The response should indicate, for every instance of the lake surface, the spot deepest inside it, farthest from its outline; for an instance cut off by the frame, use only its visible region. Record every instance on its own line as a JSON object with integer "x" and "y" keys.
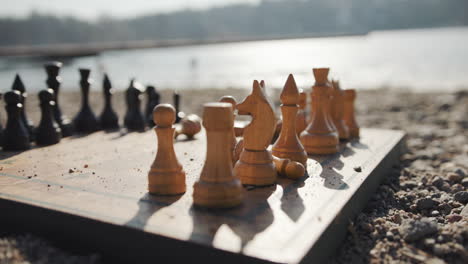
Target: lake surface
{"x": 425, "y": 59}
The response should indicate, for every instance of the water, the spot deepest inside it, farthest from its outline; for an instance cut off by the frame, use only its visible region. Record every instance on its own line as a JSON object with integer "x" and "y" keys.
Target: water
{"x": 426, "y": 59}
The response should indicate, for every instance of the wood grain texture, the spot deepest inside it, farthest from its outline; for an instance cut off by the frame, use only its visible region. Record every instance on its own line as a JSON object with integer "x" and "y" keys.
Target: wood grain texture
{"x": 92, "y": 192}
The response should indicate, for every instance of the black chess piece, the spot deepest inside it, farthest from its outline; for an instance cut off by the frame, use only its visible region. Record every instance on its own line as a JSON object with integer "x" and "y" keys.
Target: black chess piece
{"x": 19, "y": 86}
{"x": 48, "y": 132}
{"x": 15, "y": 135}
{"x": 153, "y": 98}
{"x": 1, "y": 126}
{"x": 179, "y": 114}
{"x": 108, "y": 119}
{"x": 134, "y": 119}
{"x": 53, "y": 82}
{"x": 85, "y": 121}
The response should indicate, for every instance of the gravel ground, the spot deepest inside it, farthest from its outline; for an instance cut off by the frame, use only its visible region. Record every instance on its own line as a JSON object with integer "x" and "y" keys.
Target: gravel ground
{"x": 418, "y": 215}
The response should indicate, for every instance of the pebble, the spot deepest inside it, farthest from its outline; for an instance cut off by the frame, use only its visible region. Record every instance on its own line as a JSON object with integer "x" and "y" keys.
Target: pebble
{"x": 413, "y": 230}
{"x": 435, "y": 213}
{"x": 461, "y": 197}
{"x": 464, "y": 182}
{"x": 409, "y": 185}
{"x": 453, "y": 218}
{"x": 454, "y": 177}
{"x": 426, "y": 203}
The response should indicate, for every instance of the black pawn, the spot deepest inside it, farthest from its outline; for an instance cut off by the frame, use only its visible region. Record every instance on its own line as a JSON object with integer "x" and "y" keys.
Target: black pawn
{"x": 85, "y": 121}
{"x": 53, "y": 82}
{"x": 179, "y": 114}
{"x": 108, "y": 119}
{"x": 134, "y": 120}
{"x": 19, "y": 86}
{"x": 48, "y": 132}
{"x": 153, "y": 98}
{"x": 15, "y": 135}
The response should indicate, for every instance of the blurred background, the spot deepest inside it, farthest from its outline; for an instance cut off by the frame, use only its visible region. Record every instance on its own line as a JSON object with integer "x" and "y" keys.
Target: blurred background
{"x": 181, "y": 44}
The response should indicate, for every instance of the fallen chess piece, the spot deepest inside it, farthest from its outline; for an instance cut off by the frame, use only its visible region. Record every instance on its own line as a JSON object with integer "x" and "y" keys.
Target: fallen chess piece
{"x": 284, "y": 167}
{"x": 189, "y": 126}
{"x": 290, "y": 169}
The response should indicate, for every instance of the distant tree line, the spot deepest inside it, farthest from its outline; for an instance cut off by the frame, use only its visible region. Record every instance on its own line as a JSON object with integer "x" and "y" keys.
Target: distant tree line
{"x": 268, "y": 18}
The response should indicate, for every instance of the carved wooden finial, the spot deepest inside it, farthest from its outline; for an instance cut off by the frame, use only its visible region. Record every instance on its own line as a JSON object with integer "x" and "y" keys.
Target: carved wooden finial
{"x": 321, "y": 75}
{"x": 290, "y": 93}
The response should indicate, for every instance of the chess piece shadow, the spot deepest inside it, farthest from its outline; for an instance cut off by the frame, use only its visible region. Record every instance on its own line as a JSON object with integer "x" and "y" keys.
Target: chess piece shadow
{"x": 333, "y": 179}
{"x": 357, "y": 144}
{"x": 291, "y": 202}
{"x": 148, "y": 205}
{"x": 259, "y": 218}
{"x": 347, "y": 151}
{"x": 246, "y": 221}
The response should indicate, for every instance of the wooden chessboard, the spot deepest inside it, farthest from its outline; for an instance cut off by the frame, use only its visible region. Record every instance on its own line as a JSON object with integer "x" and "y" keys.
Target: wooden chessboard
{"x": 89, "y": 193}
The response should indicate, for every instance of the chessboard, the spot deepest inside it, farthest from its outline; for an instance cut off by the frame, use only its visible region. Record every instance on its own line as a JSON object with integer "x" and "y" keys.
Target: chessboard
{"x": 89, "y": 193}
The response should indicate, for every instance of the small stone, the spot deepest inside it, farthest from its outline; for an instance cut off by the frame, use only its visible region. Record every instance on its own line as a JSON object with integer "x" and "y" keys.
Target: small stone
{"x": 453, "y": 218}
{"x": 461, "y": 172}
{"x": 461, "y": 197}
{"x": 367, "y": 227}
{"x": 85, "y": 166}
{"x": 409, "y": 184}
{"x": 358, "y": 169}
{"x": 413, "y": 230}
{"x": 429, "y": 242}
{"x": 457, "y": 188}
{"x": 454, "y": 177}
{"x": 437, "y": 182}
{"x": 464, "y": 182}
{"x": 464, "y": 212}
{"x": 435, "y": 213}
{"x": 426, "y": 203}
{"x": 444, "y": 208}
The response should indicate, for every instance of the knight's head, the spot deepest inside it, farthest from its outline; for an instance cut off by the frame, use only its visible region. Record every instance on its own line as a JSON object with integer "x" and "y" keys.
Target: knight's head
{"x": 248, "y": 106}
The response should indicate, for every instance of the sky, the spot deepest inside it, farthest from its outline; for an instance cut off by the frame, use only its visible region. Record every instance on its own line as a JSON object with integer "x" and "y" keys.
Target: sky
{"x": 93, "y": 9}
